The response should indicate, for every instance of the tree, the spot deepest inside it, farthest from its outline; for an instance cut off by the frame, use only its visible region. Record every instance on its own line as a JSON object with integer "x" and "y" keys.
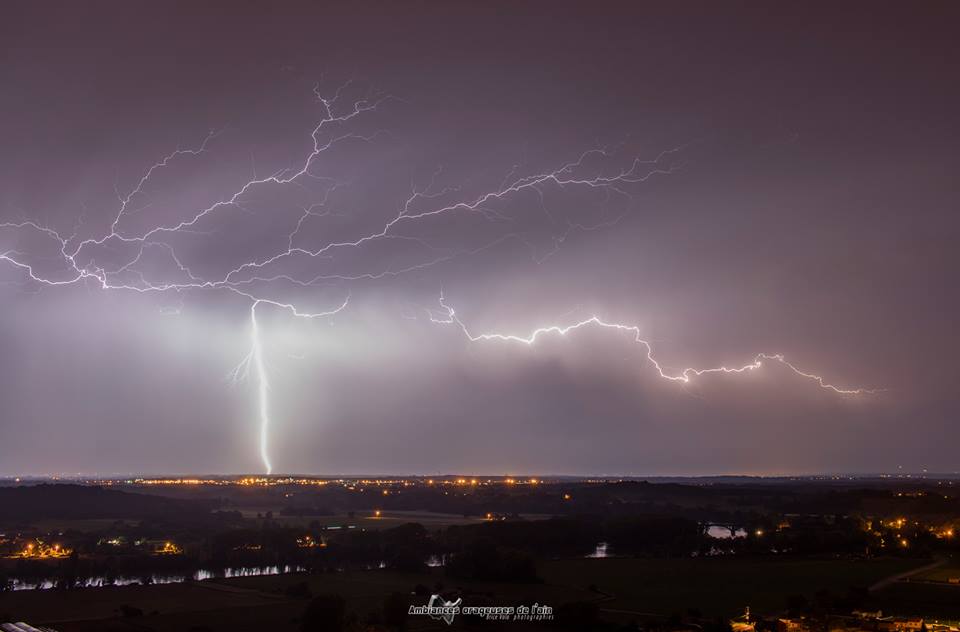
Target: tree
{"x": 482, "y": 559}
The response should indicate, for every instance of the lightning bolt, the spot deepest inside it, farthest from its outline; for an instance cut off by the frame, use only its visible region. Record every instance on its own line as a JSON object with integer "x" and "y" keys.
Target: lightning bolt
{"x": 254, "y": 277}
{"x": 253, "y": 363}
{"x": 684, "y": 375}
{"x": 263, "y": 386}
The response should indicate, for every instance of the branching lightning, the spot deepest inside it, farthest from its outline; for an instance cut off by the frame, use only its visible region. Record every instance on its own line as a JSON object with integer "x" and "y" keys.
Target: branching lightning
{"x": 249, "y": 279}
{"x": 684, "y": 375}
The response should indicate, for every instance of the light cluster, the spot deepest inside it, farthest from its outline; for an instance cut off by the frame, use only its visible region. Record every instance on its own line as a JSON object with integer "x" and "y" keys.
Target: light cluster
{"x": 40, "y": 550}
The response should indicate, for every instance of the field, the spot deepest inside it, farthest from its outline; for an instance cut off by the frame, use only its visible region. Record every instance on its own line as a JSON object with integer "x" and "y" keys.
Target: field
{"x": 87, "y": 525}
{"x": 626, "y": 589}
{"x": 943, "y": 573}
{"x": 932, "y": 600}
{"x": 105, "y": 603}
{"x": 718, "y": 586}
{"x": 367, "y": 520}
{"x": 927, "y": 593}
{"x": 242, "y": 604}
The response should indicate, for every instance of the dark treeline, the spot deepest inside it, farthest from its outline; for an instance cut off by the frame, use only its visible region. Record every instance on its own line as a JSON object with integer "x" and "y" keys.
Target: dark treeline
{"x": 736, "y": 503}
{"x": 24, "y": 504}
{"x": 718, "y": 502}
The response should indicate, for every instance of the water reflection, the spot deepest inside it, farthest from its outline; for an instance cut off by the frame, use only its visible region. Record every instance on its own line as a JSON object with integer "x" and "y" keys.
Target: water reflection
{"x": 721, "y": 532}
{"x": 601, "y": 550}
{"x": 200, "y": 575}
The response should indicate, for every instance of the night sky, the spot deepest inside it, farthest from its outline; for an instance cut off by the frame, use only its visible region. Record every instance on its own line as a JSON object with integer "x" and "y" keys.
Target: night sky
{"x": 729, "y": 178}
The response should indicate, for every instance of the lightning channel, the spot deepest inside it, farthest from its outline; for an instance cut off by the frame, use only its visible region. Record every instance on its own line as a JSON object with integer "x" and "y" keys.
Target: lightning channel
{"x": 685, "y": 376}
{"x": 263, "y": 386}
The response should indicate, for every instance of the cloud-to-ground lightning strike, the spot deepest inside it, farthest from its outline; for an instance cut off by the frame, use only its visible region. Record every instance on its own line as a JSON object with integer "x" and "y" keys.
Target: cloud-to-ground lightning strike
{"x": 422, "y": 205}
{"x": 263, "y": 386}
{"x": 254, "y": 363}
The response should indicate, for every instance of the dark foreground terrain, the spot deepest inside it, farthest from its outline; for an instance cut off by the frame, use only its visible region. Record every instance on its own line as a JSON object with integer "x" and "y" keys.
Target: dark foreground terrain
{"x": 306, "y": 554}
